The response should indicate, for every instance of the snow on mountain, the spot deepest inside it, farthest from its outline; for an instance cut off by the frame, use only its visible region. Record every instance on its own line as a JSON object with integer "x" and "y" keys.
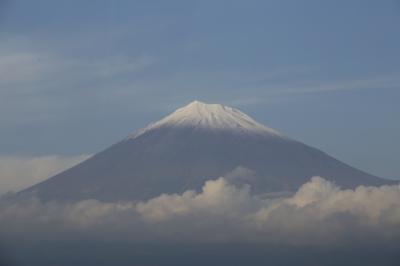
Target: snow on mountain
{"x": 214, "y": 117}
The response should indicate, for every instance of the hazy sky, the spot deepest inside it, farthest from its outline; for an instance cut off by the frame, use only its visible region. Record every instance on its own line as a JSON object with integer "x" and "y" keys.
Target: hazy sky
{"x": 77, "y": 76}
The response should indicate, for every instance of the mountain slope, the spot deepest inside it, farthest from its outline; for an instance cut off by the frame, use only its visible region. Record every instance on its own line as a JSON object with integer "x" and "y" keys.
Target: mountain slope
{"x": 196, "y": 143}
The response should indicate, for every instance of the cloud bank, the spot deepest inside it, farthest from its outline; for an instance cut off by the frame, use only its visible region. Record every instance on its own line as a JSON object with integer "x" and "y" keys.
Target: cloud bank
{"x": 17, "y": 173}
{"x": 319, "y": 213}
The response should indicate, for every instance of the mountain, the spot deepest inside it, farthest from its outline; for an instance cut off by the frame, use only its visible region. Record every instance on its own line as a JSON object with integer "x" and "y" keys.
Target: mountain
{"x": 193, "y": 144}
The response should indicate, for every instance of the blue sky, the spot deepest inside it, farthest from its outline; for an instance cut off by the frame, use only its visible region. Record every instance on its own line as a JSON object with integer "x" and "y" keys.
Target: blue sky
{"x": 77, "y": 76}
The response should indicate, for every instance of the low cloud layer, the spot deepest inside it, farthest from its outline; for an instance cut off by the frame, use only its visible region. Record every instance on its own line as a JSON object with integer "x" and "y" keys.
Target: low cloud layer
{"x": 319, "y": 213}
{"x": 17, "y": 173}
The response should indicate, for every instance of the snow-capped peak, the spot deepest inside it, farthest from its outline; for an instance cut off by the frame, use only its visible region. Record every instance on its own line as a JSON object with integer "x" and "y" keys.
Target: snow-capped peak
{"x": 210, "y": 116}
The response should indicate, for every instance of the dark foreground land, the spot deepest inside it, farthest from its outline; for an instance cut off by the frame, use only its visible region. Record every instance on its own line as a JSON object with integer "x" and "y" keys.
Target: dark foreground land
{"x": 124, "y": 254}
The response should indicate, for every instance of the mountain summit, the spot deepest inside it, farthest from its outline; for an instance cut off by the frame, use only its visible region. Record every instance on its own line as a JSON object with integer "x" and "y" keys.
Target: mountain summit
{"x": 196, "y": 143}
{"x": 214, "y": 117}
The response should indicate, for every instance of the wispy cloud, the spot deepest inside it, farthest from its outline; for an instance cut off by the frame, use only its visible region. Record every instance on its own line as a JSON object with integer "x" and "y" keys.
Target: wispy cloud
{"x": 21, "y": 67}
{"x": 269, "y": 89}
{"x": 42, "y": 86}
{"x": 378, "y": 82}
{"x": 18, "y": 172}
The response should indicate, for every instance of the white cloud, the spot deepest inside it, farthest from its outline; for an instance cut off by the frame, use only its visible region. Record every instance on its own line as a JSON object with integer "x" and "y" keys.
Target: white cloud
{"x": 318, "y": 213}
{"x": 218, "y": 197}
{"x": 17, "y": 172}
